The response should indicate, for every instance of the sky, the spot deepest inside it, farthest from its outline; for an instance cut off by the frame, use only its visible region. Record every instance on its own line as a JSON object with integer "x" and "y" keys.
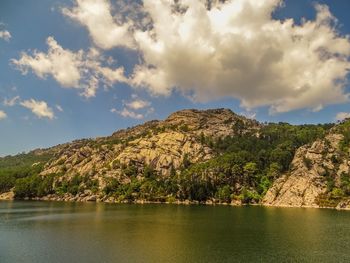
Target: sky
{"x": 73, "y": 69}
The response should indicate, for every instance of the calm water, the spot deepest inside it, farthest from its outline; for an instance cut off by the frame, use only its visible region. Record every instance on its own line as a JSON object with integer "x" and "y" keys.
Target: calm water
{"x": 69, "y": 232}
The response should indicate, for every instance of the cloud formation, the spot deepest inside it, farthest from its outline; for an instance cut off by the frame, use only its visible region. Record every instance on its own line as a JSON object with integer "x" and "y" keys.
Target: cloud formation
{"x": 6, "y": 35}
{"x": 39, "y": 108}
{"x": 62, "y": 64}
{"x": 80, "y": 70}
{"x": 126, "y": 113}
{"x": 342, "y": 116}
{"x": 3, "y": 115}
{"x": 137, "y": 103}
{"x": 104, "y": 29}
{"x": 215, "y": 49}
{"x": 133, "y": 107}
{"x": 207, "y": 50}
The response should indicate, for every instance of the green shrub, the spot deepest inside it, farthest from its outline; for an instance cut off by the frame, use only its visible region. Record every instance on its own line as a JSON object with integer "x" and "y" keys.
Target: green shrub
{"x": 337, "y": 193}
{"x": 224, "y": 194}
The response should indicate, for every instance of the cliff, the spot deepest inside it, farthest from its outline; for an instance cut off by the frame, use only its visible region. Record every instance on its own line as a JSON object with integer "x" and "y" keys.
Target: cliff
{"x": 319, "y": 176}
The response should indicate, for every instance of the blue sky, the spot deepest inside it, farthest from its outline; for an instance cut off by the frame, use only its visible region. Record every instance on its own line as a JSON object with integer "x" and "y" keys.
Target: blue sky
{"x": 39, "y": 109}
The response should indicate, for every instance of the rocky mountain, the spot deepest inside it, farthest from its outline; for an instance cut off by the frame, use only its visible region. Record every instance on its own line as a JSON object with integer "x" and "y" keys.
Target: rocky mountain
{"x": 159, "y": 144}
{"x": 162, "y": 146}
{"x": 207, "y": 156}
{"x": 318, "y": 177}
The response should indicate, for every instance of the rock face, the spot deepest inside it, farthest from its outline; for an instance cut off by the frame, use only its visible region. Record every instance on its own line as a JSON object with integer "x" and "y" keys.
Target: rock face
{"x": 165, "y": 150}
{"x": 214, "y": 123}
{"x": 307, "y": 180}
{"x": 161, "y": 145}
{"x": 7, "y": 196}
{"x": 344, "y": 205}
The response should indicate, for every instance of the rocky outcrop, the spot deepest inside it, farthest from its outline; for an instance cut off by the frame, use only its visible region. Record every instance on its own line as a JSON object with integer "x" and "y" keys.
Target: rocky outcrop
{"x": 161, "y": 145}
{"x": 165, "y": 150}
{"x": 7, "y": 196}
{"x": 344, "y": 204}
{"x": 307, "y": 180}
{"x": 214, "y": 123}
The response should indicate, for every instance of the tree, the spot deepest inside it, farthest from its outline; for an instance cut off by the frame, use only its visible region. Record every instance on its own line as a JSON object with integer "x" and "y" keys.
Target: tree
{"x": 224, "y": 194}
{"x": 250, "y": 170}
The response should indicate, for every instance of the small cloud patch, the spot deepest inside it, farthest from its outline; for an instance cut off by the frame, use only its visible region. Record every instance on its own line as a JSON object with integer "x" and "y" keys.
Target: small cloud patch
{"x": 39, "y": 108}
{"x": 3, "y": 115}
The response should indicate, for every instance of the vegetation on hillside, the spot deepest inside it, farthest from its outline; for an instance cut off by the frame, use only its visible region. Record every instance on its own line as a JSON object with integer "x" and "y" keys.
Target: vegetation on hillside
{"x": 338, "y": 188}
{"x": 244, "y": 169}
{"x": 25, "y": 165}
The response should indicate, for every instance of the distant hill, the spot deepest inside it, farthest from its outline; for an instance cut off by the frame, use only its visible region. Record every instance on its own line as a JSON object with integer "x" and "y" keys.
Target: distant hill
{"x": 194, "y": 156}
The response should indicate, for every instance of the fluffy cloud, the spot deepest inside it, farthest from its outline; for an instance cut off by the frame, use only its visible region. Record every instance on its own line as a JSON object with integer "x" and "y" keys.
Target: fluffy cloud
{"x": 215, "y": 49}
{"x": 62, "y": 64}
{"x": 39, "y": 108}
{"x": 102, "y": 26}
{"x": 137, "y": 103}
{"x": 342, "y": 116}
{"x": 3, "y": 115}
{"x": 206, "y": 50}
{"x": 126, "y": 113}
{"x": 236, "y": 49}
{"x": 80, "y": 70}
{"x": 133, "y": 107}
{"x": 4, "y": 34}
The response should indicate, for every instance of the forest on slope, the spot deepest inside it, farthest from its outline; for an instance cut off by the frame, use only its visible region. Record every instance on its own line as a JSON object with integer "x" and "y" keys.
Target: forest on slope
{"x": 242, "y": 168}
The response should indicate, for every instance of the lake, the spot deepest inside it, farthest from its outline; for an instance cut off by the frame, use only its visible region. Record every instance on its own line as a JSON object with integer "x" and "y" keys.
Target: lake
{"x": 90, "y": 232}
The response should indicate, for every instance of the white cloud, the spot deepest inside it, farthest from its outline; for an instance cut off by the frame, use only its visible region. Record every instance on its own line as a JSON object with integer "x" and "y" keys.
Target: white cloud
{"x": 133, "y": 107}
{"x": 39, "y": 108}
{"x": 111, "y": 76}
{"x": 137, "y": 104}
{"x": 80, "y": 70}
{"x": 206, "y": 50}
{"x": 236, "y": 49}
{"x": 104, "y": 29}
{"x": 126, "y": 113}
{"x": 342, "y": 116}
{"x": 11, "y": 102}
{"x": 3, "y": 115}
{"x": 230, "y": 49}
{"x": 6, "y": 35}
{"x": 59, "y": 108}
{"x": 62, "y": 64}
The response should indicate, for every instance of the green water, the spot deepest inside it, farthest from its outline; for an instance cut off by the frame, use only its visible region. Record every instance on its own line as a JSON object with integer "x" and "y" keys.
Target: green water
{"x": 73, "y": 232}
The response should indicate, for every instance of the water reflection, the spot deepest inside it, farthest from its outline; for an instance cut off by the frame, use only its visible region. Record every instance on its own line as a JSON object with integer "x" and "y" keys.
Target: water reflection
{"x": 76, "y": 232}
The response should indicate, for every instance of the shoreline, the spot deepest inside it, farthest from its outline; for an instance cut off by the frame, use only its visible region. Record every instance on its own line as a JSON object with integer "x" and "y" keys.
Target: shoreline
{"x": 5, "y": 197}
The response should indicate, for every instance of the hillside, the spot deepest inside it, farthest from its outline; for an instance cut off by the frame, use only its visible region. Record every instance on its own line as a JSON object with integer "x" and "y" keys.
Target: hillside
{"x": 211, "y": 156}
{"x": 319, "y": 174}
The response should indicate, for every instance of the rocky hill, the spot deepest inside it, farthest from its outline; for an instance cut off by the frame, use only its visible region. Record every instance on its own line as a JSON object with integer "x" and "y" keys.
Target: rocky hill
{"x": 319, "y": 176}
{"x": 209, "y": 156}
{"x": 161, "y": 145}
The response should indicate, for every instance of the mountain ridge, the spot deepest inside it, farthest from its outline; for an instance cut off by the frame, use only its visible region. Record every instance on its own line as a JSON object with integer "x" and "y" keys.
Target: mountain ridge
{"x": 207, "y": 156}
